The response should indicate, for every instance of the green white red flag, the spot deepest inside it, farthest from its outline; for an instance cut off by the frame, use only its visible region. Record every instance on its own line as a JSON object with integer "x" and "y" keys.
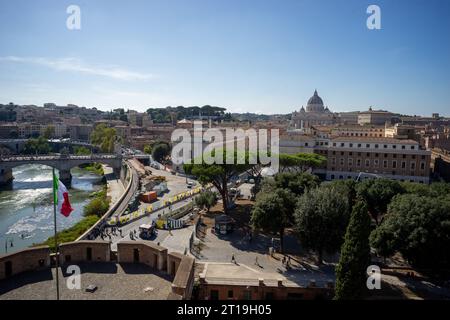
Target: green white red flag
{"x": 61, "y": 197}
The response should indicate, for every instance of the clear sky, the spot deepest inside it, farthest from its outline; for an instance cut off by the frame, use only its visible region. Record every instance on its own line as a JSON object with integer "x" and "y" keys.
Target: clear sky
{"x": 262, "y": 56}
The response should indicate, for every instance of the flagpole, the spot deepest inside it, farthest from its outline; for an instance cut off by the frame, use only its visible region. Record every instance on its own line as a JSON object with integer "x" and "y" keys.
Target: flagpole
{"x": 56, "y": 234}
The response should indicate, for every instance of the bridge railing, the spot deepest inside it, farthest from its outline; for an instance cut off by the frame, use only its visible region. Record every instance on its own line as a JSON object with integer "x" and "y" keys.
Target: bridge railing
{"x": 101, "y": 156}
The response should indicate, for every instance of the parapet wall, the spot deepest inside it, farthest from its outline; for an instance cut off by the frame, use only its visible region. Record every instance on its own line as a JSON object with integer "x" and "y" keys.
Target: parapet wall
{"x": 179, "y": 266}
{"x": 24, "y": 260}
{"x": 80, "y": 251}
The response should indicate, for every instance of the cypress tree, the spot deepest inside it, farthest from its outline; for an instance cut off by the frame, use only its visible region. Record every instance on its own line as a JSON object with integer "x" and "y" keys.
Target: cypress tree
{"x": 351, "y": 273}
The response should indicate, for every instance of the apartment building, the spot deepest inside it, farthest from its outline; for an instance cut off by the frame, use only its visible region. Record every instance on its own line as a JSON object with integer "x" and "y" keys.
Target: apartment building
{"x": 358, "y": 131}
{"x": 350, "y": 157}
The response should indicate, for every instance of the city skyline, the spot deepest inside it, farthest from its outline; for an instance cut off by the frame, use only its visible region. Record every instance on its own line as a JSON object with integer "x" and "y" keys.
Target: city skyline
{"x": 264, "y": 58}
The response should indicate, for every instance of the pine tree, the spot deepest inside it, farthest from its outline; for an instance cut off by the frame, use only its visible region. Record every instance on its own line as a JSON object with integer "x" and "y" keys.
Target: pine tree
{"x": 355, "y": 255}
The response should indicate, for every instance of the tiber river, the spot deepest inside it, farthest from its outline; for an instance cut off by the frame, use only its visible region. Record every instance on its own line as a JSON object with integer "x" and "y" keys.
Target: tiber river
{"x": 26, "y": 211}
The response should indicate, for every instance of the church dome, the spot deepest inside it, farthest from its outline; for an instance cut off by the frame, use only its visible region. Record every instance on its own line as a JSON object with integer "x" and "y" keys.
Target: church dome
{"x": 315, "y": 99}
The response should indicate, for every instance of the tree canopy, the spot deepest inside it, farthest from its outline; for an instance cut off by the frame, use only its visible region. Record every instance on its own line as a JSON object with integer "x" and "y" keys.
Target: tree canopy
{"x": 354, "y": 259}
{"x": 105, "y": 137}
{"x": 300, "y": 162}
{"x": 218, "y": 174}
{"x": 418, "y": 227}
{"x": 321, "y": 219}
{"x": 273, "y": 212}
{"x": 378, "y": 193}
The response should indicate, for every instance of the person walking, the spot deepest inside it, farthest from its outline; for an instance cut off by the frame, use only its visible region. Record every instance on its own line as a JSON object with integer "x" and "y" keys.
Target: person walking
{"x": 233, "y": 259}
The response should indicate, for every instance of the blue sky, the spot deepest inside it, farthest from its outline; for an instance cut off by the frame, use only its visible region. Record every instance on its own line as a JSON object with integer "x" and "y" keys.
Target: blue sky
{"x": 246, "y": 55}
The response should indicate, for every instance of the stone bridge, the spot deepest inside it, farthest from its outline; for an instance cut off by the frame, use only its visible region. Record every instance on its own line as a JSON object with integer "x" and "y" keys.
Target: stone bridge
{"x": 17, "y": 145}
{"x": 61, "y": 162}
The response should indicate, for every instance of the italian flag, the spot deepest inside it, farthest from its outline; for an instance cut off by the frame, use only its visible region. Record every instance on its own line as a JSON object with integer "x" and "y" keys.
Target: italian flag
{"x": 61, "y": 197}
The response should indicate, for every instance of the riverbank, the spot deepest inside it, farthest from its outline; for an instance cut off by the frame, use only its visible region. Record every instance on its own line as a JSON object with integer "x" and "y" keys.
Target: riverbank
{"x": 26, "y": 209}
{"x": 96, "y": 168}
{"x": 92, "y": 212}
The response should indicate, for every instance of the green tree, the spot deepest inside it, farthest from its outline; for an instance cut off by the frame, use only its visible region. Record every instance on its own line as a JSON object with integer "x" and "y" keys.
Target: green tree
{"x": 206, "y": 200}
{"x": 300, "y": 162}
{"x": 217, "y": 174}
{"x": 378, "y": 193}
{"x": 160, "y": 151}
{"x": 272, "y": 212}
{"x": 80, "y": 150}
{"x": 49, "y": 132}
{"x": 148, "y": 149}
{"x": 37, "y": 146}
{"x": 418, "y": 227}
{"x": 104, "y": 137}
{"x": 321, "y": 219}
{"x": 351, "y": 274}
{"x": 297, "y": 183}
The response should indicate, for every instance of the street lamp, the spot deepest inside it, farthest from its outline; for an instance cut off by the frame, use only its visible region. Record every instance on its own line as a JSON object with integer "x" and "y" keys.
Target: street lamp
{"x": 11, "y": 244}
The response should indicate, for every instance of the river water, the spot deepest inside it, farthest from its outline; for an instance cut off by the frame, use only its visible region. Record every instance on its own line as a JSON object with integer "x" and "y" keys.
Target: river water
{"x": 26, "y": 211}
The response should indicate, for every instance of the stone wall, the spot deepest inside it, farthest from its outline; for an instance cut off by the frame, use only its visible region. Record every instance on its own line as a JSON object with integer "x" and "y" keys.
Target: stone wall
{"x": 24, "y": 260}
{"x": 262, "y": 290}
{"x": 78, "y": 251}
{"x": 142, "y": 252}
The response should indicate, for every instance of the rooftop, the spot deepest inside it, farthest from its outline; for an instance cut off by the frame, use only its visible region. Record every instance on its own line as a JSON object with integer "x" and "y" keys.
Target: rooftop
{"x": 142, "y": 283}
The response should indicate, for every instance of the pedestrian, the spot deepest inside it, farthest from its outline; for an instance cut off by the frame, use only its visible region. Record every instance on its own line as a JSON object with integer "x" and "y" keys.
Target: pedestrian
{"x": 283, "y": 261}
{"x": 256, "y": 261}
{"x": 233, "y": 259}
{"x": 288, "y": 262}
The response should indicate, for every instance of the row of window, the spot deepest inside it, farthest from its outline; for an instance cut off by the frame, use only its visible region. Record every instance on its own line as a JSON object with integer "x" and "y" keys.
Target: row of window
{"x": 376, "y": 146}
{"x": 385, "y": 155}
{"x": 376, "y": 163}
{"x": 341, "y": 177}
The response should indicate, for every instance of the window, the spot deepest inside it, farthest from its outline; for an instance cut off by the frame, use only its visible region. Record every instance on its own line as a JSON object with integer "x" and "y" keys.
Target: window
{"x": 394, "y": 164}
{"x": 342, "y": 153}
{"x": 394, "y": 146}
{"x": 375, "y": 162}
{"x": 367, "y": 162}
{"x": 376, "y": 146}
{"x": 334, "y": 144}
{"x": 306, "y": 144}
{"x": 230, "y": 294}
{"x": 412, "y": 148}
{"x": 385, "y": 146}
{"x": 358, "y": 162}
{"x": 350, "y": 161}
{"x": 214, "y": 294}
{"x": 413, "y": 165}
{"x": 342, "y": 161}
{"x": 422, "y": 166}
{"x": 385, "y": 163}
{"x": 403, "y": 164}
{"x": 351, "y": 144}
{"x": 342, "y": 144}
{"x": 247, "y": 295}
{"x": 403, "y": 147}
{"x": 333, "y": 160}
{"x": 359, "y": 145}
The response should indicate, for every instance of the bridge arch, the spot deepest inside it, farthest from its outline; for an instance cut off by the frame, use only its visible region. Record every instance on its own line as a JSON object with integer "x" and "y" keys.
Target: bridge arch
{"x": 63, "y": 163}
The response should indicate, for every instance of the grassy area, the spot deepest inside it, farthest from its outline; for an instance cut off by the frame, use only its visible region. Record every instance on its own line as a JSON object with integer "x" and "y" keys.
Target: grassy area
{"x": 72, "y": 233}
{"x": 96, "y": 168}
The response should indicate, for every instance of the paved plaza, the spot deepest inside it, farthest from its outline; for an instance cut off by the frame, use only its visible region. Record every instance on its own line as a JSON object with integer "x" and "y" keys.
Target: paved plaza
{"x": 142, "y": 283}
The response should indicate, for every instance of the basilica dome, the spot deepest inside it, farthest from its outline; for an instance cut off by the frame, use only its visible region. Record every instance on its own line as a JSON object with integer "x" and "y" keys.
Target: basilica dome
{"x": 315, "y": 103}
